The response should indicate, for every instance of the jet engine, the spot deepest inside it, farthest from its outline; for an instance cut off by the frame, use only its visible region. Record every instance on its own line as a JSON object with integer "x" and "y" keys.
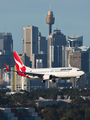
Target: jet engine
{"x": 47, "y": 77}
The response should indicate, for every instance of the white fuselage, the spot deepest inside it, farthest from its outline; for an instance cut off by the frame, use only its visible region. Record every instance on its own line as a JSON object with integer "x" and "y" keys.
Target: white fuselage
{"x": 62, "y": 72}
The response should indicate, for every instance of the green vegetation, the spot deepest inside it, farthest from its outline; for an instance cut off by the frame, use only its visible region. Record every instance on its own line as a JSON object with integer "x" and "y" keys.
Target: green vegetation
{"x": 79, "y": 109}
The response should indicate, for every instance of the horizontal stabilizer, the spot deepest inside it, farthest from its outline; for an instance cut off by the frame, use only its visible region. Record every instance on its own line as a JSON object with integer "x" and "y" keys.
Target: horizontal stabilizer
{"x": 6, "y": 67}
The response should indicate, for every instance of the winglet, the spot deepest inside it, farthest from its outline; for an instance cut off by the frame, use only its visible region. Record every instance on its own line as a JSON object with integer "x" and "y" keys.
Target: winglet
{"x": 6, "y": 67}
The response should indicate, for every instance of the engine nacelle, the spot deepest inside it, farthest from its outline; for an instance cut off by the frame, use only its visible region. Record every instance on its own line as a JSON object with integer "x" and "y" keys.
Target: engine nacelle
{"x": 47, "y": 77}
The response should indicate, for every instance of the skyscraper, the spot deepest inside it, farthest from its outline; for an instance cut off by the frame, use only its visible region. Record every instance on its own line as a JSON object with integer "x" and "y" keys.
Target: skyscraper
{"x": 75, "y": 40}
{"x": 30, "y": 41}
{"x": 80, "y": 59}
{"x": 42, "y": 44}
{"x": 6, "y": 49}
{"x": 6, "y": 56}
{"x": 54, "y": 47}
{"x": 6, "y": 43}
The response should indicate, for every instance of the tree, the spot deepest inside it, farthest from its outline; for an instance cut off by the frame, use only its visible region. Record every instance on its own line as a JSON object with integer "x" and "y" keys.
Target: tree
{"x": 64, "y": 118}
{"x": 87, "y": 114}
{"x": 51, "y": 115}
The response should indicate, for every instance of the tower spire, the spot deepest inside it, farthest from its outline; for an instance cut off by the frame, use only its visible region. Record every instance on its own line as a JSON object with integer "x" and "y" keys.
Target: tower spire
{"x": 56, "y": 25}
{"x": 50, "y": 6}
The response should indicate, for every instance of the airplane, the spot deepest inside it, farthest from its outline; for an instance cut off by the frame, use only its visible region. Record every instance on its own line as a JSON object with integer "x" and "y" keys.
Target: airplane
{"x": 64, "y": 73}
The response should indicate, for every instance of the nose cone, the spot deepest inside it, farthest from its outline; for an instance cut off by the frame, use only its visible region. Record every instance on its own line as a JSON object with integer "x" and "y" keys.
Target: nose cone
{"x": 82, "y": 72}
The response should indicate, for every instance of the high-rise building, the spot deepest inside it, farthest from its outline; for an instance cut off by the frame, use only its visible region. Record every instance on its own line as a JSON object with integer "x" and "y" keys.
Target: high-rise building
{"x": 19, "y": 83}
{"x": 66, "y": 52}
{"x": 75, "y": 59}
{"x": 25, "y": 59}
{"x": 65, "y": 55}
{"x": 1, "y": 77}
{"x": 6, "y": 56}
{"x": 80, "y": 59}
{"x": 55, "y": 56}
{"x": 30, "y": 41}
{"x": 39, "y": 61}
{"x": 54, "y": 48}
{"x": 75, "y": 40}
{"x": 42, "y": 44}
{"x": 6, "y": 43}
{"x": 6, "y": 49}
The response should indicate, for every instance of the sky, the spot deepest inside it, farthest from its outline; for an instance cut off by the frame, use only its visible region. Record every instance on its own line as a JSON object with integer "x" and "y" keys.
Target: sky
{"x": 72, "y": 17}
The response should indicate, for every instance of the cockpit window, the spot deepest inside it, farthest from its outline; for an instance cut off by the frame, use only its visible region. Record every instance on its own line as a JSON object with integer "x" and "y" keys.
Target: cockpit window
{"x": 78, "y": 70}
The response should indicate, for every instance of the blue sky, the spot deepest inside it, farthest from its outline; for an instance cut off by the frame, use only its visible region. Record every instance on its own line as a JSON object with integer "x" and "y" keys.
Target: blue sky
{"x": 72, "y": 17}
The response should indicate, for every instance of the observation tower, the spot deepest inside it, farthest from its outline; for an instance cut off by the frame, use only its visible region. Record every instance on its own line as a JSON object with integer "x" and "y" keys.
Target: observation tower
{"x": 50, "y": 20}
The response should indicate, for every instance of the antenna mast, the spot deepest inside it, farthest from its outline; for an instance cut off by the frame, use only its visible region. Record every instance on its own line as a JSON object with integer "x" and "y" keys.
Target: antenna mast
{"x": 50, "y": 6}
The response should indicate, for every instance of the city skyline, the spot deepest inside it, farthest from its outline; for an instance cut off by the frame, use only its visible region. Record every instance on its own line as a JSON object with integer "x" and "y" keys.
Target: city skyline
{"x": 71, "y": 17}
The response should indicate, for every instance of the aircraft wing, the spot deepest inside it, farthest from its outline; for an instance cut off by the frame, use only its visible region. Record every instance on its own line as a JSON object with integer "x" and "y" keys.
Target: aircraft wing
{"x": 33, "y": 74}
{"x": 26, "y": 73}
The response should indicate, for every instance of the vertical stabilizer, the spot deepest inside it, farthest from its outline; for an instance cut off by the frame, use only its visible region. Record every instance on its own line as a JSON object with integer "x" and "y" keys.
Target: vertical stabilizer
{"x": 19, "y": 64}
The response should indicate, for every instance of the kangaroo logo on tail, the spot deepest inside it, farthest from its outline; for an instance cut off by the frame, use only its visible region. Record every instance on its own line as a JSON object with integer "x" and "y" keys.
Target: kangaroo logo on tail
{"x": 19, "y": 64}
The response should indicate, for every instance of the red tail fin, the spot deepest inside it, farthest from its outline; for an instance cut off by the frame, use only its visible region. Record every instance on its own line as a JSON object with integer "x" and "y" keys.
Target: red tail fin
{"x": 19, "y": 64}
